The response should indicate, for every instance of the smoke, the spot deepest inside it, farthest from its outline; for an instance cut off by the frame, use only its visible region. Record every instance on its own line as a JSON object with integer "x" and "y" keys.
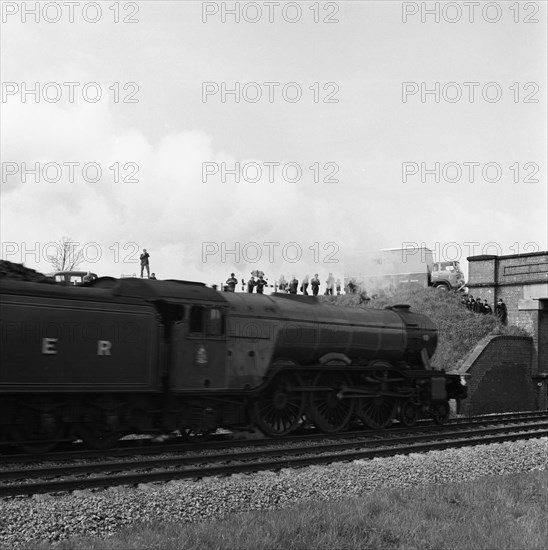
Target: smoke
{"x": 376, "y": 270}
{"x": 155, "y": 196}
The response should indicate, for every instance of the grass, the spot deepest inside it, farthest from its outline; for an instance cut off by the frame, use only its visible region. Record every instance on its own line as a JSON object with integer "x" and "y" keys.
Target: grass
{"x": 503, "y": 513}
{"x": 459, "y": 329}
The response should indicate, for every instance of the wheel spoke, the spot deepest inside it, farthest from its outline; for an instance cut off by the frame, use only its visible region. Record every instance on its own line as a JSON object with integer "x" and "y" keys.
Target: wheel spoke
{"x": 376, "y": 412}
{"x": 409, "y": 413}
{"x": 278, "y": 411}
{"x": 330, "y": 413}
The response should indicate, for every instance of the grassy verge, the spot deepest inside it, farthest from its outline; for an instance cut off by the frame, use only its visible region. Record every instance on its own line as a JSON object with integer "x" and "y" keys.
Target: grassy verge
{"x": 495, "y": 513}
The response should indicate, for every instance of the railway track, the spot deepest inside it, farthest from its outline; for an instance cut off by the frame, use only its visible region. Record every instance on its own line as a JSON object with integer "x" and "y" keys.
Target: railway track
{"x": 142, "y": 447}
{"x": 348, "y": 446}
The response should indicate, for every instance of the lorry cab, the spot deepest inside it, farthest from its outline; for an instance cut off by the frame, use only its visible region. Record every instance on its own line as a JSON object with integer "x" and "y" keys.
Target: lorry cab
{"x": 447, "y": 275}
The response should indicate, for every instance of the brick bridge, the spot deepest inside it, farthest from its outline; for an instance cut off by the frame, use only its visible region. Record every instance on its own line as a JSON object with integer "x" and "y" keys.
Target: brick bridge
{"x": 509, "y": 373}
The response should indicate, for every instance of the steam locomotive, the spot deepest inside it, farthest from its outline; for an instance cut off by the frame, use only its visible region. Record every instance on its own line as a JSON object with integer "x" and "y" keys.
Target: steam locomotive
{"x": 119, "y": 356}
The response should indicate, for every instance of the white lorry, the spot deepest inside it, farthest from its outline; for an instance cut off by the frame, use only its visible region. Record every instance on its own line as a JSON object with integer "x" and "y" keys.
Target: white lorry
{"x": 395, "y": 267}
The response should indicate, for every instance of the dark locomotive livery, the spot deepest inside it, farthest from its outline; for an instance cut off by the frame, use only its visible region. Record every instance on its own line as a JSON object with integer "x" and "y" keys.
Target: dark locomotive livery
{"x": 143, "y": 356}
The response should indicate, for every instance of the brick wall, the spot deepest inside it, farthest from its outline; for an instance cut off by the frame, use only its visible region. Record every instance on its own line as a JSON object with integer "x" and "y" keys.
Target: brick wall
{"x": 522, "y": 282}
{"x": 541, "y": 391}
{"x": 542, "y": 336}
{"x": 481, "y": 278}
{"x": 511, "y": 278}
{"x": 500, "y": 376}
{"x": 523, "y": 269}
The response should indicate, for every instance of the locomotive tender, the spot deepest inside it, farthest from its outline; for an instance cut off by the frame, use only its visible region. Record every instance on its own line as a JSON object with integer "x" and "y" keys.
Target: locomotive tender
{"x": 119, "y": 356}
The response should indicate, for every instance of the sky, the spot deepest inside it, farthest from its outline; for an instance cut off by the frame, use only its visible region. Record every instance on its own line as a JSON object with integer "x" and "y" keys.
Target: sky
{"x": 279, "y": 136}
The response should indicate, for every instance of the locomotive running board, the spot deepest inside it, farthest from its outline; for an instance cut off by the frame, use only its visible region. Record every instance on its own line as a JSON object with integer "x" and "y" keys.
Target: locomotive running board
{"x": 356, "y": 393}
{"x": 346, "y": 393}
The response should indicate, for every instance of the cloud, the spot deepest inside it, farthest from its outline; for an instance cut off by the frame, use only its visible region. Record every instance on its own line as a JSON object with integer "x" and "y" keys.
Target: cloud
{"x": 159, "y": 199}
{"x": 151, "y": 154}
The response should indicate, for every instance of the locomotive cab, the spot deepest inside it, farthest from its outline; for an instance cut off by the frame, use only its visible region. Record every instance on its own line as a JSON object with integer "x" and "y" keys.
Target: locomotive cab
{"x": 193, "y": 317}
{"x": 199, "y": 349}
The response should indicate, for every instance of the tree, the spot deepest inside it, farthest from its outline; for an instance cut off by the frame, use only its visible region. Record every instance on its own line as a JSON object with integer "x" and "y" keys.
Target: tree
{"x": 68, "y": 257}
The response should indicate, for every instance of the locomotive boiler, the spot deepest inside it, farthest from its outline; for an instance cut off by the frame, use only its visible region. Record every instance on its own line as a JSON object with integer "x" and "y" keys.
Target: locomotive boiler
{"x": 113, "y": 357}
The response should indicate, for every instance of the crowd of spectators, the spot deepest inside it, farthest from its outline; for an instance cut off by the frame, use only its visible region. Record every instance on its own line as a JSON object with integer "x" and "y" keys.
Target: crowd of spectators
{"x": 307, "y": 286}
{"x": 477, "y": 305}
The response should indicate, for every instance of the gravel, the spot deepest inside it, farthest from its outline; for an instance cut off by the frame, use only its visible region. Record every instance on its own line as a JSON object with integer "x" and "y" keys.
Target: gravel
{"x": 54, "y": 517}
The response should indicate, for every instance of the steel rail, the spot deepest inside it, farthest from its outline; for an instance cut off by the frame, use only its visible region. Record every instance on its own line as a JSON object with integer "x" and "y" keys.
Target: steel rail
{"x": 290, "y": 458}
{"x": 145, "y": 446}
